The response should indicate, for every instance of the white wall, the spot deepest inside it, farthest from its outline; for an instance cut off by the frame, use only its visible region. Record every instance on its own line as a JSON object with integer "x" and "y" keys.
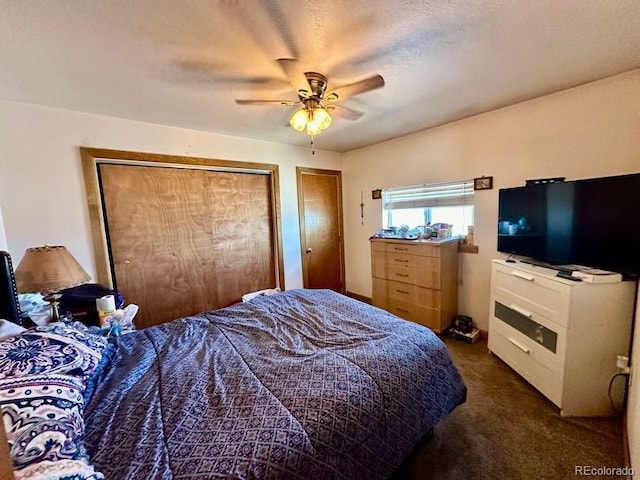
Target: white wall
{"x": 592, "y": 130}
{"x": 3, "y": 236}
{"x": 42, "y": 189}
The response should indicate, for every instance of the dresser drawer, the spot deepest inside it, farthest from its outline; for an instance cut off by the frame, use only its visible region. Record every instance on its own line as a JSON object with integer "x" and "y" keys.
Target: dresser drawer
{"x": 399, "y": 273}
{"x": 406, "y": 293}
{"x": 420, "y": 249}
{"x": 547, "y": 338}
{"x": 429, "y": 316}
{"x": 423, "y": 271}
{"x": 398, "y": 259}
{"x": 521, "y": 354}
{"x": 535, "y": 293}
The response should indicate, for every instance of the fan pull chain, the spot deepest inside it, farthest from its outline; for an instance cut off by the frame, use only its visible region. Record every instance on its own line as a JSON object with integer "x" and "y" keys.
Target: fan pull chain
{"x": 313, "y": 147}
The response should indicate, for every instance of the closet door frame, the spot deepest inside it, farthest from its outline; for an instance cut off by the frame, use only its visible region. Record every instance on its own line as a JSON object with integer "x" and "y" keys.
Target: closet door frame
{"x": 93, "y": 157}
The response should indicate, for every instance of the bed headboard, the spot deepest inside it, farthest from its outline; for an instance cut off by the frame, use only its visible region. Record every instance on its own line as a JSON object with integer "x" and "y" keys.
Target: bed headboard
{"x": 9, "y": 305}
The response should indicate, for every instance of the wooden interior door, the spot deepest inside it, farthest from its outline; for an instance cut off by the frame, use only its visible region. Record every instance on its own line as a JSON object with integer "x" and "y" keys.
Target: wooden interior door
{"x": 320, "y": 216}
{"x": 183, "y": 241}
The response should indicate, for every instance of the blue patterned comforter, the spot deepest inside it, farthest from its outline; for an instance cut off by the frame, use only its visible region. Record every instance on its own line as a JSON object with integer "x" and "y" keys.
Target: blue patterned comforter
{"x": 305, "y": 384}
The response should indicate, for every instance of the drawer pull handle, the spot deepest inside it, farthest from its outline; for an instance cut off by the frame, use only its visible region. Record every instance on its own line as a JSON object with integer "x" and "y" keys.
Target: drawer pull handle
{"x": 523, "y": 276}
{"x": 521, "y": 311}
{"x": 404, "y": 292}
{"x": 403, "y": 310}
{"x": 522, "y": 347}
{"x": 400, "y": 260}
{"x": 402, "y": 274}
{"x": 401, "y": 249}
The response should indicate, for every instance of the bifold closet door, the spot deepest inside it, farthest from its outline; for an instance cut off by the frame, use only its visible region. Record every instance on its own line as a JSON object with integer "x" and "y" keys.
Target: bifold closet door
{"x": 183, "y": 241}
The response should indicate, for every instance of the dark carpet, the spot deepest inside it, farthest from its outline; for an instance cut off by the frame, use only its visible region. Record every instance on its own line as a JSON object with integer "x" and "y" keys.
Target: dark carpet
{"x": 508, "y": 430}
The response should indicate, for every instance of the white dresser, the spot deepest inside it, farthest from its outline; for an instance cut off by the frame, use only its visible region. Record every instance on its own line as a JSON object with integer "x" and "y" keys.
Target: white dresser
{"x": 561, "y": 336}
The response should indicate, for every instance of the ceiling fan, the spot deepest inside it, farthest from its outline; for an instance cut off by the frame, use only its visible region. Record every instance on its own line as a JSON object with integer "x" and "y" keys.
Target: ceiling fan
{"x": 316, "y": 104}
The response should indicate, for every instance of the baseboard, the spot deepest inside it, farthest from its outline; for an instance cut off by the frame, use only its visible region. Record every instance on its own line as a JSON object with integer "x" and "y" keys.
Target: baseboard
{"x": 362, "y": 298}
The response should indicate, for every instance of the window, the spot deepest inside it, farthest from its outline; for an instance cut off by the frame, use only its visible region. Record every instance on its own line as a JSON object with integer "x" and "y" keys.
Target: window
{"x": 416, "y": 205}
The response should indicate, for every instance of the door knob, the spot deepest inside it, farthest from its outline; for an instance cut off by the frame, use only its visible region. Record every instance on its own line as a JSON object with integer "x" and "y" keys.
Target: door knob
{"x": 127, "y": 262}
{"x": 309, "y": 250}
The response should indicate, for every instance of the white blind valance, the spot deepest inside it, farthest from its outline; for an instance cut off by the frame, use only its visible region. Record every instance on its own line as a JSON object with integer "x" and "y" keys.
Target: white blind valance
{"x": 431, "y": 195}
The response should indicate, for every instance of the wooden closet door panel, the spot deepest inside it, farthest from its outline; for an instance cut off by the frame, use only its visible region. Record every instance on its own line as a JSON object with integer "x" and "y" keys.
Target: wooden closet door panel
{"x": 172, "y": 233}
{"x": 241, "y": 233}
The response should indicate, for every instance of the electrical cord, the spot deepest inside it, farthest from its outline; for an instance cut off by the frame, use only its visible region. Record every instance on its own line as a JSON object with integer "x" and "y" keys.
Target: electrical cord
{"x": 609, "y": 393}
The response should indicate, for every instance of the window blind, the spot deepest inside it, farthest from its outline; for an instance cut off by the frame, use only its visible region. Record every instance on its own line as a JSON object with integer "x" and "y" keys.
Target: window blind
{"x": 430, "y": 195}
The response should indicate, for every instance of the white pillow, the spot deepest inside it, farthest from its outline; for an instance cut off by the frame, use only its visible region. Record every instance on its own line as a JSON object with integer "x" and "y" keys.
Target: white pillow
{"x": 9, "y": 329}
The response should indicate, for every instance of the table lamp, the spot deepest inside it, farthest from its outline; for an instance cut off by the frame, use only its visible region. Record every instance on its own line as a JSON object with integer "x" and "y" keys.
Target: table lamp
{"x": 48, "y": 270}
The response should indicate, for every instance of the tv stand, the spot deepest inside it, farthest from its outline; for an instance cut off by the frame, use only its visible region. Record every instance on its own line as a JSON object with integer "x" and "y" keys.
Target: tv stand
{"x": 560, "y": 335}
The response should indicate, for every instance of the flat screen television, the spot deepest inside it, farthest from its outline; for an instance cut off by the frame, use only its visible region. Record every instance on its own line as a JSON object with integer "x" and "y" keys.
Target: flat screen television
{"x": 593, "y": 222}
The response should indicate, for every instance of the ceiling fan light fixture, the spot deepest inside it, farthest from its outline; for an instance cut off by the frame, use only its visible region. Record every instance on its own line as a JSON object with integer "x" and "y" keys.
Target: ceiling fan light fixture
{"x": 315, "y": 100}
{"x": 299, "y": 119}
{"x": 312, "y": 117}
{"x": 313, "y": 128}
{"x": 322, "y": 117}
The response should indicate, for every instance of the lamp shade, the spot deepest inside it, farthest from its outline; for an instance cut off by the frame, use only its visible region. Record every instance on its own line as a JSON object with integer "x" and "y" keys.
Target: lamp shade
{"x": 299, "y": 119}
{"x": 322, "y": 117}
{"x": 313, "y": 128}
{"x": 49, "y": 269}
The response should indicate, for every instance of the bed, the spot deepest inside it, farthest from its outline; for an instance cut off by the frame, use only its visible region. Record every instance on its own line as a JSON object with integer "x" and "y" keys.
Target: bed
{"x": 302, "y": 384}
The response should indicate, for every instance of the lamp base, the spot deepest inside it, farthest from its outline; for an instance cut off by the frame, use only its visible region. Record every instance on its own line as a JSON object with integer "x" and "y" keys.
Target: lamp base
{"x": 54, "y": 301}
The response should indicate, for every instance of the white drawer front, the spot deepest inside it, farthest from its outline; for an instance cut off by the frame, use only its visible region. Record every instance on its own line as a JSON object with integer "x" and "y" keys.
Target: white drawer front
{"x": 523, "y": 355}
{"x": 548, "y": 339}
{"x": 537, "y": 294}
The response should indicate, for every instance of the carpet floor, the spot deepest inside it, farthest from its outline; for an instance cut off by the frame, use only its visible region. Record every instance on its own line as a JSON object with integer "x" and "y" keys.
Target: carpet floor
{"x": 509, "y": 430}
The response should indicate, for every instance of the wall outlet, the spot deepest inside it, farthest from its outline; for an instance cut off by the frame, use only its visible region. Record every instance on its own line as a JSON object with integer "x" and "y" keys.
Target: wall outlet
{"x": 622, "y": 363}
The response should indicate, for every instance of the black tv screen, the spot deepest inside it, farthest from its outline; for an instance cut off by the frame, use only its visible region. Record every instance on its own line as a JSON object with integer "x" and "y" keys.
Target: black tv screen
{"x": 593, "y": 223}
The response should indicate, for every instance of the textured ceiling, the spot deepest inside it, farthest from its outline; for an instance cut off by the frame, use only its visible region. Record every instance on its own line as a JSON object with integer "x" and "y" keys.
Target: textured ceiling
{"x": 183, "y": 63}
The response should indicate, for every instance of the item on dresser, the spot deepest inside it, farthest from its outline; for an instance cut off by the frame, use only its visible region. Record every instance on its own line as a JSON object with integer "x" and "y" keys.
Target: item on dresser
{"x": 562, "y": 336}
{"x": 106, "y": 307}
{"x": 594, "y": 275}
{"x": 81, "y": 302}
{"x": 416, "y": 280}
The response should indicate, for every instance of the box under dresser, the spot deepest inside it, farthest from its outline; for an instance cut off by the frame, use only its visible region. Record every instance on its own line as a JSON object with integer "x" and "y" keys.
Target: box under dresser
{"x": 416, "y": 280}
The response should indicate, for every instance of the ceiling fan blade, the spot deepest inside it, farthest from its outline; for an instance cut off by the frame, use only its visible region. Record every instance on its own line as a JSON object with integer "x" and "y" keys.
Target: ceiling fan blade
{"x": 352, "y": 89}
{"x": 343, "y": 112}
{"x": 286, "y": 103}
{"x": 296, "y": 76}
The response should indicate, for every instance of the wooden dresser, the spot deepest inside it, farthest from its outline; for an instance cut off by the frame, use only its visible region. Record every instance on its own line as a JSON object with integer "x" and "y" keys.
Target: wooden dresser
{"x": 416, "y": 280}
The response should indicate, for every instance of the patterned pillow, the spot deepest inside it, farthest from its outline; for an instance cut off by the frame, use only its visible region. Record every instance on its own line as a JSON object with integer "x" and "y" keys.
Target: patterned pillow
{"x": 42, "y": 416}
{"x": 54, "y": 348}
